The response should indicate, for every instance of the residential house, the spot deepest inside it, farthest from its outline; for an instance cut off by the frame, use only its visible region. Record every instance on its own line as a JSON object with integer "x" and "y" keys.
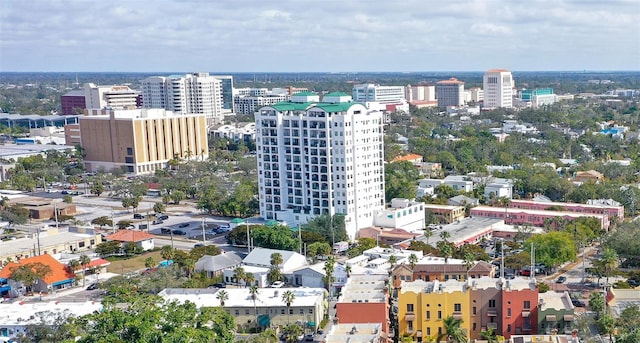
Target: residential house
{"x": 463, "y": 200}
{"x": 430, "y": 268}
{"x": 258, "y": 262}
{"x": 215, "y": 265}
{"x": 519, "y": 307}
{"x": 589, "y": 176}
{"x": 59, "y": 277}
{"x": 139, "y": 238}
{"x": 411, "y": 158}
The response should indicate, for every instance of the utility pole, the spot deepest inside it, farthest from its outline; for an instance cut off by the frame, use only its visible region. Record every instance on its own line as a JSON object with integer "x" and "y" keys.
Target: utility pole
{"x": 204, "y": 237}
{"x": 148, "y": 225}
{"x": 248, "y": 238}
{"x": 55, "y": 213}
{"x": 533, "y": 262}
{"x": 300, "y": 237}
{"x": 502, "y": 259}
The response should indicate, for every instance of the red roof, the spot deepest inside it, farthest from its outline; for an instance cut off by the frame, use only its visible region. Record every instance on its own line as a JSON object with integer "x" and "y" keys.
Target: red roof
{"x": 452, "y": 80}
{"x": 497, "y": 71}
{"x": 98, "y": 262}
{"x": 409, "y": 157}
{"x": 58, "y": 273}
{"x": 129, "y": 236}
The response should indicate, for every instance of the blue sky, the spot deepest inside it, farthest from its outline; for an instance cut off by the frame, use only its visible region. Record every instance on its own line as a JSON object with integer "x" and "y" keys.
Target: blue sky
{"x": 320, "y": 35}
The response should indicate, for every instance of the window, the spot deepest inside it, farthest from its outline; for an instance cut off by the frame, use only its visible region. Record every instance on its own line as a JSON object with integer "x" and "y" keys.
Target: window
{"x": 246, "y": 311}
{"x": 473, "y": 310}
{"x": 237, "y": 312}
{"x": 474, "y": 327}
{"x": 428, "y": 315}
{"x": 301, "y": 311}
{"x": 409, "y": 307}
{"x": 509, "y": 328}
{"x": 290, "y": 311}
{"x": 527, "y": 323}
{"x": 310, "y": 311}
{"x": 428, "y": 331}
{"x": 129, "y": 151}
{"x": 410, "y": 325}
{"x": 492, "y": 303}
{"x": 281, "y": 311}
{"x": 439, "y": 314}
{"x": 457, "y": 307}
{"x": 509, "y": 312}
{"x": 527, "y": 304}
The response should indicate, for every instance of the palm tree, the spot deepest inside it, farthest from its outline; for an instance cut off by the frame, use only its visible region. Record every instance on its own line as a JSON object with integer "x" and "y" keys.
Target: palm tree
{"x": 609, "y": 262}
{"x": 239, "y": 274}
{"x": 73, "y": 265}
{"x": 254, "y": 292}
{"x": 489, "y": 335}
{"x": 413, "y": 260}
{"x": 445, "y": 235}
{"x": 504, "y": 202}
{"x": 468, "y": 262}
{"x": 249, "y": 279}
{"x": 452, "y": 331}
{"x": 428, "y": 234}
{"x": 393, "y": 260}
{"x": 167, "y": 252}
{"x": 276, "y": 260}
{"x": 222, "y": 296}
{"x": 292, "y": 331}
{"x": 84, "y": 261}
{"x": 274, "y": 271}
{"x": 328, "y": 271}
{"x": 348, "y": 270}
{"x": 288, "y": 297}
{"x": 266, "y": 336}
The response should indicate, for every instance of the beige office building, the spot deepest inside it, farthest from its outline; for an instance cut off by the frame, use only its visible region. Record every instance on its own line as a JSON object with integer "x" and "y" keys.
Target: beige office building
{"x": 142, "y": 140}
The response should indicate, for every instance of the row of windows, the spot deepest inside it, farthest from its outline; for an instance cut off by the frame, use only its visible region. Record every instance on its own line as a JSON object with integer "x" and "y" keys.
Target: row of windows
{"x": 269, "y": 311}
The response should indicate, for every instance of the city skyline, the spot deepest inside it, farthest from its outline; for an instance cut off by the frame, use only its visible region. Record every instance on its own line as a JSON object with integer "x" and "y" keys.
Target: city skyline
{"x": 324, "y": 36}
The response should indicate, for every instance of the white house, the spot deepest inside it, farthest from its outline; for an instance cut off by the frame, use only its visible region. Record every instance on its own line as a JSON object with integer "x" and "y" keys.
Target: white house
{"x": 499, "y": 190}
{"x": 402, "y": 213}
{"x": 140, "y": 238}
{"x": 215, "y": 265}
{"x": 258, "y": 262}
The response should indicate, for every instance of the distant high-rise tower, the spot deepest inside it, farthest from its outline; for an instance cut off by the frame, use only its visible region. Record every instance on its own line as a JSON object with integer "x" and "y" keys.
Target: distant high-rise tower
{"x": 197, "y": 93}
{"x": 375, "y": 93}
{"x": 319, "y": 158}
{"x": 450, "y": 92}
{"x": 110, "y": 97}
{"x": 498, "y": 88}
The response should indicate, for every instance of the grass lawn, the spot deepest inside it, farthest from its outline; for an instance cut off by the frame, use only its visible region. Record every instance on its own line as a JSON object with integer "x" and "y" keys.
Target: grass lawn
{"x": 132, "y": 264}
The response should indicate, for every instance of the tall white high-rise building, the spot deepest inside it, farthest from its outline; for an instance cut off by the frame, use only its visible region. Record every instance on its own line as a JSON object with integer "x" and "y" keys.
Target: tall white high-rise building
{"x": 196, "y": 93}
{"x": 498, "y": 88}
{"x": 450, "y": 92}
{"x": 320, "y": 158}
{"x": 375, "y": 93}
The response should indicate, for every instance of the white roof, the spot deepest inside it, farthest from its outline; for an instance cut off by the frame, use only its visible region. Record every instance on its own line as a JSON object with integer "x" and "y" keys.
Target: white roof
{"x": 26, "y": 245}
{"x": 354, "y": 333}
{"x": 22, "y": 314}
{"x": 261, "y": 257}
{"x": 240, "y": 297}
{"x": 364, "y": 288}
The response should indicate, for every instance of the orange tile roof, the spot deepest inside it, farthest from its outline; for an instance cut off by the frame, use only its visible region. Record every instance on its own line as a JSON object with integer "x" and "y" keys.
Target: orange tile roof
{"x": 452, "y": 80}
{"x": 59, "y": 271}
{"x": 409, "y": 157}
{"x": 129, "y": 236}
{"x": 497, "y": 71}
{"x": 98, "y": 262}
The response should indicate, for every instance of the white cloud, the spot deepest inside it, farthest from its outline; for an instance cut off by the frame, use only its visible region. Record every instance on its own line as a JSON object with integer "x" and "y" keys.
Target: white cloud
{"x": 328, "y": 35}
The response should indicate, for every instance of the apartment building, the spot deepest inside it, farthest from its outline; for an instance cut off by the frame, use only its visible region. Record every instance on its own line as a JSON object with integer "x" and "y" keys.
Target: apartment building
{"x": 195, "y": 93}
{"x": 110, "y": 97}
{"x": 444, "y": 214}
{"x": 320, "y": 158}
{"x": 365, "y": 299}
{"x": 498, "y": 88}
{"x": 369, "y": 92}
{"x": 420, "y": 93}
{"x": 507, "y": 306}
{"x": 614, "y": 210}
{"x": 450, "y": 92}
{"x": 401, "y": 213}
{"x": 307, "y": 308}
{"x": 430, "y": 268}
{"x": 250, "y": 104}
{"x": 141, "y": 140}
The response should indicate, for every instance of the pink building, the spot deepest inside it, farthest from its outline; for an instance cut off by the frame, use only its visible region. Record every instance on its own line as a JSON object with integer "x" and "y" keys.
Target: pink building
{"x": 517, "y": 216}
{"x": 611, "y": 211}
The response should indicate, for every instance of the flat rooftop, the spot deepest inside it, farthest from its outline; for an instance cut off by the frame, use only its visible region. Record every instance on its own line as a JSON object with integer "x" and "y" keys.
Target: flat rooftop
{"x": 28, "y": 244}
{"x": 365, "y": 288}
{"x": 8, "y": 151}
{"x": 22, "y": 314}
{"x": 240, "y": 297}
{"x": 354, "y": 333}
{"x": 465, "y": 229}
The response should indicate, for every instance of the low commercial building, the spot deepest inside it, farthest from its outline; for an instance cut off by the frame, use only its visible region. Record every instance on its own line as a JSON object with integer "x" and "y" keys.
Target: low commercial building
{"x": 42, "y": 208}
{"x": 430, "y": 268}
{"x": 401, "y": 213}
{"x": 59, "y": 276}
{"x": 387, "y": 236}
{"x": 308, "y": 306}
{"x": 16, "y": 316}
{"x": 215, "y": 265}
{"x": 610, "y": 209}
{"x": 356, "y": 333}
{"x": 517, "y": 216}
{"x": 50, "y": 241}
{"x": 444, "y": 214}
{"x": 465, "y": 231}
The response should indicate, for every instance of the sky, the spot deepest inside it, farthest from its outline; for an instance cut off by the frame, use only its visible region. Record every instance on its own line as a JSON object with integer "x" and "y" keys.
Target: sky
{"x": 318, "y": 36}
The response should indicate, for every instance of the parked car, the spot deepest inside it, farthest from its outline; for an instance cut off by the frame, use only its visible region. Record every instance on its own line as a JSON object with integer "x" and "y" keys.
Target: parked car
{"x": 578, "y": 303}
{"x": 183, "y": 225}
{"x": 633, "y": 283}
{"x": 219, "y": 285}
{"x": 157, "y": 221}
{"x": 179, "y": 232}
{"x": 165, "y": 230}
{"x": 277, "y": 284}
{"x": 223, "y": 229}
{"x": 92, "y": 287}
{"x": 65, "y": 192}
{"x": 138, "y": 216}
{"x": 561, "y": 279}
{"x": 162, "y": 216}
{"x": 309, "y": 337}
